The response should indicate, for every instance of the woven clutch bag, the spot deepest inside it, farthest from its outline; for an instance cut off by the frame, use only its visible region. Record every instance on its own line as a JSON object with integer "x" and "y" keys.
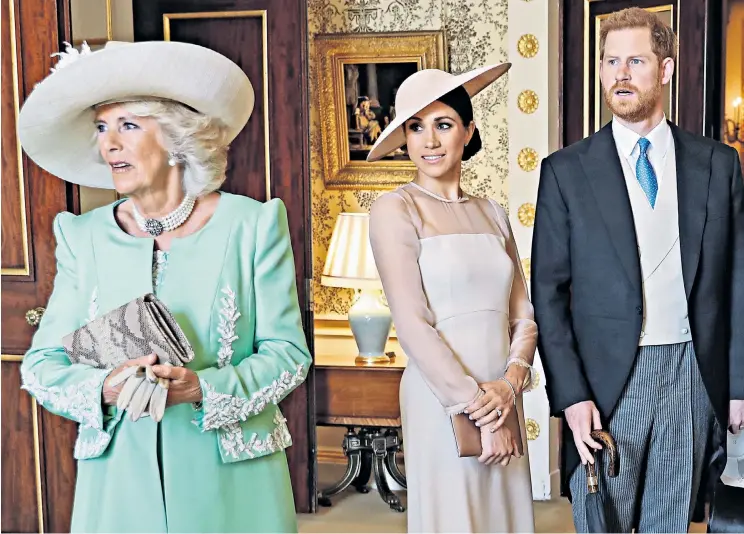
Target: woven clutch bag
{"x": 138, "y": 328}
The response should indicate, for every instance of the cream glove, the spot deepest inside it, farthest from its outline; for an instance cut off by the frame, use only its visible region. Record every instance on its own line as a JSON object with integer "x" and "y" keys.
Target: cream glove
{"x": 142, "y": 390}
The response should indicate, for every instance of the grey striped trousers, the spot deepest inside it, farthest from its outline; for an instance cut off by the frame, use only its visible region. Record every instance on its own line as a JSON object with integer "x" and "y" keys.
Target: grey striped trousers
{"x": 662, "y": 425}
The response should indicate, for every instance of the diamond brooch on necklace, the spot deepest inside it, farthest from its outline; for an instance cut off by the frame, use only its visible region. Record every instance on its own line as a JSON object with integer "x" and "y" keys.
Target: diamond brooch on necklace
{"x": 173, "y": 220}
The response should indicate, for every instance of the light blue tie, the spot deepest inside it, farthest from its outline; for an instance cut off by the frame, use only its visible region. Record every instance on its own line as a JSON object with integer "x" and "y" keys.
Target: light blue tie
{"x": 645, "y": 172}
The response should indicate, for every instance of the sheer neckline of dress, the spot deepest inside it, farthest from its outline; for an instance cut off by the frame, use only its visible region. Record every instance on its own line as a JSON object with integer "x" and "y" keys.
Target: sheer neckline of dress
{"x": 463, "y": 198}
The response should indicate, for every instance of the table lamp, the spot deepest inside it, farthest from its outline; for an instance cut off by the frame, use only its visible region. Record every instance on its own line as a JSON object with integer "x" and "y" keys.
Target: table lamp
{"x": 350, "y": 264}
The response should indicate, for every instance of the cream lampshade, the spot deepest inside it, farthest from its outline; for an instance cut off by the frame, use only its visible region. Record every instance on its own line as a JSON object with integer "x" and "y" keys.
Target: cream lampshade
{"x": 350, "y": 264}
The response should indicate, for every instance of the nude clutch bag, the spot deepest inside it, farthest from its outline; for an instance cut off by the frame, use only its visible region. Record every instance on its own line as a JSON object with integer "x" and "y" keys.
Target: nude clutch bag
{"x": 142, "y": 326}
{"x": 468, "y": 436}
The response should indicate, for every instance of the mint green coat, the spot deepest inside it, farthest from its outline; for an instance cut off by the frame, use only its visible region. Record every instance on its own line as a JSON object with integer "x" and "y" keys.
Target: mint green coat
{"x": 231, "y": 287}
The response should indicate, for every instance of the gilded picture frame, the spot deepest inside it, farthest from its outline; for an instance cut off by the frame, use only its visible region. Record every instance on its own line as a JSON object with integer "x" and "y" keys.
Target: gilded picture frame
{"x": 358, "y": 75}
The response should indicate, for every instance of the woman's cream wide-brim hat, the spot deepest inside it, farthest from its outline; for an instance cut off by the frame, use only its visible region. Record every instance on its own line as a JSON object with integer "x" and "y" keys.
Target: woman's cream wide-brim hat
{"x": 421, "y": 89}
{"x": 55, "y": 125}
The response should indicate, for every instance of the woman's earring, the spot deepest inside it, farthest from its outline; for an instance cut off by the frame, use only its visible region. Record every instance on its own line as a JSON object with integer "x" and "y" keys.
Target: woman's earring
{"x": 172, "y": 159}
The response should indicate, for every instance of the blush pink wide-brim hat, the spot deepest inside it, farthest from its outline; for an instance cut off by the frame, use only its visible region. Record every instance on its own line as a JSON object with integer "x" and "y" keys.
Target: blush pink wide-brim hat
{"x": 421, "y": 89}
{"x": 55, "y": 125}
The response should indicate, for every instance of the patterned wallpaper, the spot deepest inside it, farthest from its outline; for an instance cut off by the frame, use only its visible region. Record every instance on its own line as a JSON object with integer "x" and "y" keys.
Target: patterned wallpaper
{"x": 476, "y": 33}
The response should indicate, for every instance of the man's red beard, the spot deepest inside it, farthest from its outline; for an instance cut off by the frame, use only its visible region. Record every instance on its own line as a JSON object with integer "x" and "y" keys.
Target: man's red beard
{"x": 637, "y": 110}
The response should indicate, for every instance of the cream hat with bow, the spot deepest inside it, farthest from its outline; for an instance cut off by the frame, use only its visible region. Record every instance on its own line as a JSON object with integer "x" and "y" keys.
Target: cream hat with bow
{"x": 421, "y": 89}
{"x": 55, "y": 125}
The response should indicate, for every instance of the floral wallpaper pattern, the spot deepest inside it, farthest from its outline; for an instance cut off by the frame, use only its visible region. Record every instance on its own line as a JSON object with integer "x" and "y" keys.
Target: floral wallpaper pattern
{"x": 476, "y": 33}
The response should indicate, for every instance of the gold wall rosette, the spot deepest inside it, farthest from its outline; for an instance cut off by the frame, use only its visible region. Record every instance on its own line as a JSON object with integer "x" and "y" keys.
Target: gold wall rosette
{"x": 536, "y": 379}
{"x": 526, "y": 214}
{"x": 526, "y": 266}
{"x": 528, "y": 101}
{"x": 527, "y": 159}
{"x": 528, "y": 46}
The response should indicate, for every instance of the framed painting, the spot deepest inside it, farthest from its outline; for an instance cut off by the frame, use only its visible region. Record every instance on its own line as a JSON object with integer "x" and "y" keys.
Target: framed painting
{"x": 359, "y": 76}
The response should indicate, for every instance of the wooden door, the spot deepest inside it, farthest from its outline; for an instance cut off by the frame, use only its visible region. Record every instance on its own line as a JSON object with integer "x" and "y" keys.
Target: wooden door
{"x": 38, "y": 471}
{"x": 694, "y": 95}
{"x": 268, "y": 39}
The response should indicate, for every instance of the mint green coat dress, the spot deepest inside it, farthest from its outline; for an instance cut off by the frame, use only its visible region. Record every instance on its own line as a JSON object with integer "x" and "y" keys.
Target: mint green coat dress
{"x": 231, "y": 287}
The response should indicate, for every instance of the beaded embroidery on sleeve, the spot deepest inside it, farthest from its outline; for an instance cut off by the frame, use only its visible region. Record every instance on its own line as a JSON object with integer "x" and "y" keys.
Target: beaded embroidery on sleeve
{"x": 229, "y": 315}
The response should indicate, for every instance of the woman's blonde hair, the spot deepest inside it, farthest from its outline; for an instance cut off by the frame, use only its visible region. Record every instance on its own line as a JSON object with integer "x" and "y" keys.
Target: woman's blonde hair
{"x": 198, "y": 142}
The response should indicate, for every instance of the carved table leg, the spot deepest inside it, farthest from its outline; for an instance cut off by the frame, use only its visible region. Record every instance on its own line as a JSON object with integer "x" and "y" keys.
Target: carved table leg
{"x": 393, "y": 447}
{"x": 353, "y": 450}
{"x": 394, "y": 471}
{"x": 379, "y": 447}
{"x": 360, "y": 482}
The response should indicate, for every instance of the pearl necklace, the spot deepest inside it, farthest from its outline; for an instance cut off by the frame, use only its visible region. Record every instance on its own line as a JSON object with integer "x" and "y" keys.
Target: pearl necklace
{"x": 173, "y": 220}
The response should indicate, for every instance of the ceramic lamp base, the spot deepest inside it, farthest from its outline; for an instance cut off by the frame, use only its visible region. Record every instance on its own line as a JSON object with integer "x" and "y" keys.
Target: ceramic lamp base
{"x": 370, "y": 322}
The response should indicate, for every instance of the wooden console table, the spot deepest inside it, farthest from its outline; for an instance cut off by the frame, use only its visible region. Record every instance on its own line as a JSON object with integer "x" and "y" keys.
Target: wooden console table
{"x": 364, "y": 399}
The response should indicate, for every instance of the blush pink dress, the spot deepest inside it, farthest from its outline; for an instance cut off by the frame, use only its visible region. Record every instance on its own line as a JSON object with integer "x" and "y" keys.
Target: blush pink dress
{"x": 453, "y": 279}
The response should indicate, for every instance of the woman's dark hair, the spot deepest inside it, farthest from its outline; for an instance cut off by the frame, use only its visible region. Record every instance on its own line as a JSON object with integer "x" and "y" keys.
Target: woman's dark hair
{"x": 459, "y": 100}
